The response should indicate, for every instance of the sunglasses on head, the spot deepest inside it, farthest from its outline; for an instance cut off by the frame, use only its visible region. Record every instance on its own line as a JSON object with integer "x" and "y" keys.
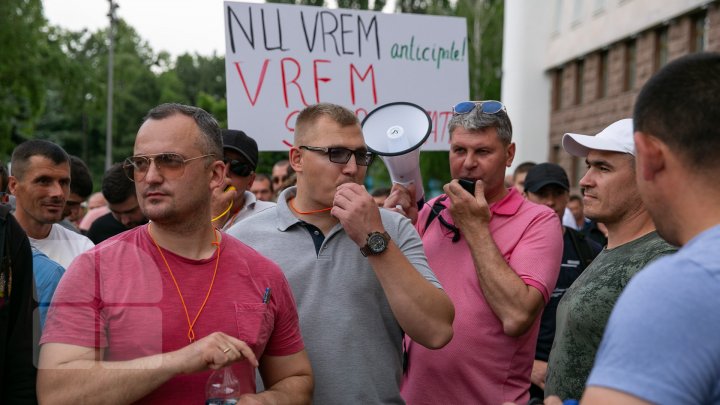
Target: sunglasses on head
{"x": 238, "y": 167}
{"x": 486, "y": 107}
{"x": 342, "y": 155}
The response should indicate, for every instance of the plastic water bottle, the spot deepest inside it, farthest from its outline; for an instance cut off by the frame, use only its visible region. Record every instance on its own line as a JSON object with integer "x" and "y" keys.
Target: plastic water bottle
{"x": 222, "y": 388}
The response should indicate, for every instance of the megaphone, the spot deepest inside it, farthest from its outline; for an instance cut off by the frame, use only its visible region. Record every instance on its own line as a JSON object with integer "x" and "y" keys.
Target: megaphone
{"x": 395, "y": 132}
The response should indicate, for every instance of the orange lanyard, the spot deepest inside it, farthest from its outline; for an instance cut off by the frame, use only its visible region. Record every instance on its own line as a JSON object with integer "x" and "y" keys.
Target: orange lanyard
{"x": 292, "y": 205}
{"x": 191, "y": 332}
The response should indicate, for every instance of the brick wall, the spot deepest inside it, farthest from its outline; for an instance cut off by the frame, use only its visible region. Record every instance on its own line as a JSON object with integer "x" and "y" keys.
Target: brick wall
{"x": 595, "y": 112}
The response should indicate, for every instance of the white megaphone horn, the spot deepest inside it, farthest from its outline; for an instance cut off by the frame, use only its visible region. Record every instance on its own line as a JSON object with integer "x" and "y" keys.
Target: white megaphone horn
{"x": 395, "y": 132}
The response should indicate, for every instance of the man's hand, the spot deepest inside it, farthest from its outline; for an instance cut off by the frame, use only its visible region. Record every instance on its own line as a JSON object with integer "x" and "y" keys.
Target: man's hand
{"x": 402, "y": 199}
{"x": 214, "y": 351}
{"x": 539, "y": 373}
{"x": 468, "y": 211}
{"x": 122, "y": 382}
{"x": 222, "y": 197}
{"x": 356, "y": 210}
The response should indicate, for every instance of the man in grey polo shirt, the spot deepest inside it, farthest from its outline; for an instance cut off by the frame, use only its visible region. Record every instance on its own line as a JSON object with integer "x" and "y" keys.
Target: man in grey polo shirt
{"x": 358, "y": 273}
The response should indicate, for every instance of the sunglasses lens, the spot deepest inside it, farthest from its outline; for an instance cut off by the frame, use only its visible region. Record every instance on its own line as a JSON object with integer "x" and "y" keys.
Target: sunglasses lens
{"x": 463, "y": 107}
{"x": 339, "y": 155}
{"x": 491, "y": 107}
{"x": 363, "y": 158}
{"x": 169, "y": 161}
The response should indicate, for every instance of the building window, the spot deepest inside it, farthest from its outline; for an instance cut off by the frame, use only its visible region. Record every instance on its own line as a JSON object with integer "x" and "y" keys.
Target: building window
{"x": 603, "y": 74}
{"x": 557, "y": 89}
{"x": 599, "y": 6}
{"x": 579, "y": 81}
{"x": 699, "y": 33}
{"x": 558, "y": 16}
{"x": 661, "y": 47}
{"x": 630, "y": 65}
{"x": 577, "y": 12}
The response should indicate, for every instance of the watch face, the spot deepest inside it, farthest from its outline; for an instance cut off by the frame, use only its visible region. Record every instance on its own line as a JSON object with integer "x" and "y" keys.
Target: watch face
{"x": 376, "y": 242}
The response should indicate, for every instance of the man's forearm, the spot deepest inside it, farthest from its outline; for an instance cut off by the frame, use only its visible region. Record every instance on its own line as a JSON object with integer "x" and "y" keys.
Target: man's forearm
{"x": 295, "y": 390}
{"x": 88, "y": 381}
{"x": 513, "y": 302}
{"x": 423, "y": 311}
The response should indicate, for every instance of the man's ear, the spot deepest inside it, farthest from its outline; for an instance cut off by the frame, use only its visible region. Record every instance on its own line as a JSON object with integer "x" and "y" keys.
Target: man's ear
{"x": 650, "y": 157}
{"x": 12, "y": 184}
{"x": 510, "y": 155}
{"x": 295, "y": 158}
{"x": 217, "y": 174}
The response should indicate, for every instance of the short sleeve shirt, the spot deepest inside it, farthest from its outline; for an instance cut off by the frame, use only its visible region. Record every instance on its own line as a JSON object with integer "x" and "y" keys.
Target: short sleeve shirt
{"x": 585, "y": 308}
{"x": 121, "y": 297}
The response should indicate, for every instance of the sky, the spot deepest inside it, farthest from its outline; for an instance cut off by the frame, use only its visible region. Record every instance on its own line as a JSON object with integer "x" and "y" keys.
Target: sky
{"x": 176, "y": 26}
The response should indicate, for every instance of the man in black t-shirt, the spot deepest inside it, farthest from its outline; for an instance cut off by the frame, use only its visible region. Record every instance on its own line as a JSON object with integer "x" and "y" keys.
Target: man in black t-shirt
{"x": 125, "y": 211}
{"x": 547, "y": 184}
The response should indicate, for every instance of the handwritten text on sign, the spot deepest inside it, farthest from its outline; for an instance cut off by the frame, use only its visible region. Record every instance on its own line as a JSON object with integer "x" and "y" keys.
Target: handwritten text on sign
{"x": 282, "y": 58}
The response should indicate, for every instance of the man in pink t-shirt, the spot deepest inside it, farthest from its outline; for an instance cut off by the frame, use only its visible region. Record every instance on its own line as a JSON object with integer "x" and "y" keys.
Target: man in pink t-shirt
{"x": 497, "y": 257}
{"x": 146, "y": 316}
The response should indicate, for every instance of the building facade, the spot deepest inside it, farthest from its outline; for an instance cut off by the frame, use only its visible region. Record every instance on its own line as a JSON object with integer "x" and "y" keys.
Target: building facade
{"x": 597, "y": 54}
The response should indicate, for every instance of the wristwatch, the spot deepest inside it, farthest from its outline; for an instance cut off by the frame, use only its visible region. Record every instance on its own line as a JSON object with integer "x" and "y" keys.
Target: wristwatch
{"x": 377, "y": 242}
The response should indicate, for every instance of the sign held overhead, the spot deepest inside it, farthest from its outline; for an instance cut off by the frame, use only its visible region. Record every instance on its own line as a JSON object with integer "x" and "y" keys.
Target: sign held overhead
{"x": 282, "y": 58}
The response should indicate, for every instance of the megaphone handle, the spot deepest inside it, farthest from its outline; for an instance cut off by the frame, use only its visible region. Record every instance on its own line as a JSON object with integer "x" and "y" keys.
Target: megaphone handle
{"x": 419, "y": 191}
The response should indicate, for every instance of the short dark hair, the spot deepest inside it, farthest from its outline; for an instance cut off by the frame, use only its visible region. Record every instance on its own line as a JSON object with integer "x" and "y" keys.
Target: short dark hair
{"x": 116, "y": 186}
{"x": 575, "y": 197}
{"x": 80, "y": 179}
{"x": 211, "y": 142}
{"x": 523, "y": 168}
{"x": 35, "y": 147}
{"x": 263, "y": 177}
{"x": 680, "y": 105}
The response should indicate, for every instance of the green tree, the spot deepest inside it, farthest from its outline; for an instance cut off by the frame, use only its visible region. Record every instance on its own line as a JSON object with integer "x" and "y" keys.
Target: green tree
{"x": 22, "y": 71}
{"x": 485, "y": 38}
{"x": 201, "y": 74}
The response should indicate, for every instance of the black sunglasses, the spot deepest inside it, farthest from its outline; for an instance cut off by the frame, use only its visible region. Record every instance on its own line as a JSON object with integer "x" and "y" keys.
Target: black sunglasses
{"x": 239, "y": 168}
{"x": 342, "y": 155}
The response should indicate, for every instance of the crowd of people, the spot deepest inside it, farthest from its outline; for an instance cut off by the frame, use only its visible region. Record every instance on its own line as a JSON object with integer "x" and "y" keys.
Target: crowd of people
{"x": 310, "y": 288}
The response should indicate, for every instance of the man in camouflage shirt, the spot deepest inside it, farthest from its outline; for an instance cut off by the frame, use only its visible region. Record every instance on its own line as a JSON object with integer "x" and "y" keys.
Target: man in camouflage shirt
{"x": 611, "y": 197}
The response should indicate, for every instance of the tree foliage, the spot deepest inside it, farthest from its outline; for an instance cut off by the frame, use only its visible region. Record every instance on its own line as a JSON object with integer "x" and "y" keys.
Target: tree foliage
{"x": 25, "y": 49}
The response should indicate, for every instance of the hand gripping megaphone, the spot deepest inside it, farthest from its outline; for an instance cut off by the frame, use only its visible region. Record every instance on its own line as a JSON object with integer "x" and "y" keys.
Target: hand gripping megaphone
{"x": 395, "y": 132}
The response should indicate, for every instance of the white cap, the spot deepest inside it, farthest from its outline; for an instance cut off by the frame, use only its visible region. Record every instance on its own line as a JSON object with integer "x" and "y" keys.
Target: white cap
{"x": 618, "y": 137}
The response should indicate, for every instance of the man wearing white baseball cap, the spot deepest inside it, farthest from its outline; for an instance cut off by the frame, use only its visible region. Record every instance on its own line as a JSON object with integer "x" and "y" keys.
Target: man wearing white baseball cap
{"x": 610, "y": 196}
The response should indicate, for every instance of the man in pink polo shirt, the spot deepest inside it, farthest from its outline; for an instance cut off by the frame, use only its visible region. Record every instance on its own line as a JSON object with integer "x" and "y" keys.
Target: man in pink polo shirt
{"x": 497, "y": 256}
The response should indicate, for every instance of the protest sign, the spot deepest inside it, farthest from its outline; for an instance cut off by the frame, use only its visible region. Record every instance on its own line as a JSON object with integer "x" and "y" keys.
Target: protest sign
{"x": 281, "y": 58}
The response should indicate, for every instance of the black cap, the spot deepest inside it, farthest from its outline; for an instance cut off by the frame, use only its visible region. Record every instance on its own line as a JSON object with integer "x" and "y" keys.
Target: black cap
{"x": 239, "y": 141}
{"x": 545, "y": 174}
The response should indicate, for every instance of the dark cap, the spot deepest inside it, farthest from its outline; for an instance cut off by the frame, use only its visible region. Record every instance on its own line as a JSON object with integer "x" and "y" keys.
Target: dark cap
{"x": 545, "y": 174}
{"x": 239, "y": 141}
